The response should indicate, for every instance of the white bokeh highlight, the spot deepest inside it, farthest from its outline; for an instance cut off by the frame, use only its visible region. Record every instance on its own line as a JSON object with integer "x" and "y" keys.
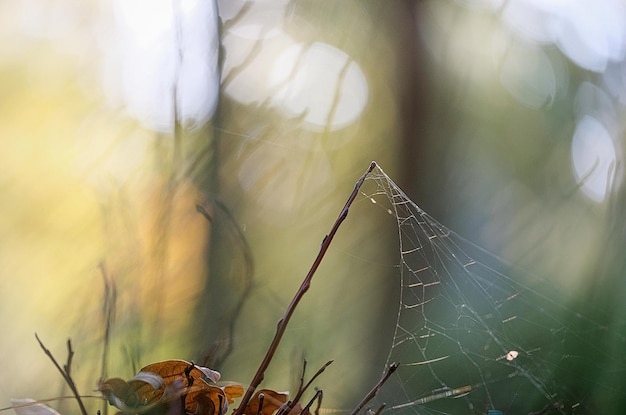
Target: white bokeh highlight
{"x": 157, "y": 51}
{"x": 320, "y": 82}
{"x": 590, "y": 34}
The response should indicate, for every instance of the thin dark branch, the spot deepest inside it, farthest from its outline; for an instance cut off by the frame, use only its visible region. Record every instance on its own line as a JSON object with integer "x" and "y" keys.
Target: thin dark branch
{"x": 259, "y": 411}
{"x": 43, "y": 401}
{"x": 319, "y": 404}
{"x": 248, "y": 274}
{"x": 319, "y": 395}
{"x": 108, "y": 312}
{"x": 65, "y": 372}
{"x": 304, "y": 287}
{"x": 315, "y": 376}
{"x": 285, "y": 409}
{"x": 301, "y": 385}
{"x": 375, "y": 389}
{"x": 379, "y": 410}
{"x": 240, "y": 14}
{"x": 70, "y": 356}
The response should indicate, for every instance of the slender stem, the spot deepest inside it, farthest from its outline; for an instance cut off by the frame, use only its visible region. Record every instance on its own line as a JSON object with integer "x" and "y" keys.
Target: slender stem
{"x": 379, "y": 410}
{"x": 315, "y": 376}
{"x": 285, "y": 409}
{"x": 375, "y": 389}
{"x": 108, "y": 312}
{"x": 66, "y": 371}
{"x": 304, "y": 287}
{"x": 319, "y": 395}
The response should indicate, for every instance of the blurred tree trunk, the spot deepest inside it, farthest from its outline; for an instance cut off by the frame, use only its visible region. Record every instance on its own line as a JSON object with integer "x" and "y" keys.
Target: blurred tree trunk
{"x": 423, "y": 141}
{"x": 413, "y": 98}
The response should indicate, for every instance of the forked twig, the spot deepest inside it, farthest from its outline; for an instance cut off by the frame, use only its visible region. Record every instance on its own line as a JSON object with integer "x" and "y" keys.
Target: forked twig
{"x": 315, "y": 376}
{"x": 304, "y": 287}
{"x": 65, "y": 371}
{"x": 285, "y": 409}
{"x": 319, "y": 395}
{"x": 375, "y": 389}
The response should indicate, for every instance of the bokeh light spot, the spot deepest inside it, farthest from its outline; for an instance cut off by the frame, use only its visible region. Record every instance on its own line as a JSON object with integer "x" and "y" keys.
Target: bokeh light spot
{"x": 153, "y": 58}
{"x": 528, "y": 74}
{"x": 321, "y": 82}
{"x": 590, "y": 36}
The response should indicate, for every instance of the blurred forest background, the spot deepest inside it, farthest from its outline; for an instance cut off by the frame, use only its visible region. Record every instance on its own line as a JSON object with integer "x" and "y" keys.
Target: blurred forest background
{"x": 502, "y": 119}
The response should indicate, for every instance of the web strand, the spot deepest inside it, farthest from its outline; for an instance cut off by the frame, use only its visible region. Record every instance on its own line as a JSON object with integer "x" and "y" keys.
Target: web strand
{"x": 468, "y": 337}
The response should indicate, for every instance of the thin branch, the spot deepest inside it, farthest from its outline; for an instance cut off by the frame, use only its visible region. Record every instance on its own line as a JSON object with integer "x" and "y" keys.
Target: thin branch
{"x": 315, "y": 376}
{"x": 70, "y": 356}
{"x": 65, "y": 372}
{"x": 228, "y": 24}
{"x": 259, "y": 411}
{"x": 319, "y": 395}
{"x": 248, "y": 274}
{"x": 108, "y": 312}
{"x": 43, "y": 401}
{"x": 285, "y": 409}
{"x": 379, "y": 410}
{"x": 319, "y": 403}
{"x": 301, "y": 385}
{"x": 375, "y": 389}
{"x": 304, "y": 287}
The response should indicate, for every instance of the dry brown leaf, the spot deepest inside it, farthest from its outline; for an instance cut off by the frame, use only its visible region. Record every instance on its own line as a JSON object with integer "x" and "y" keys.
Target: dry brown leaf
{"x": 233, "y": 391}
{"x": 157, "y": 387}
{"x": 271, "y": 402}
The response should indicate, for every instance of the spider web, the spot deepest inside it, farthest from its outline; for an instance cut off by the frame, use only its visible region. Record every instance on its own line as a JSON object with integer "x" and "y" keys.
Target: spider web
{"x": 472, "y": 340}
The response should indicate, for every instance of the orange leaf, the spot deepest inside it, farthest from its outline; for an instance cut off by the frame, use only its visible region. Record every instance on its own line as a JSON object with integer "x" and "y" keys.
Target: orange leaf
{"x": 160, "y": 385}
{"x": 181, "y": 368}
{"x": 203, "y": 399}
{"x": 170, "y": 371}
{"x": 271, "y": 402}
{"x": 119, "y": 393}
{"x": 232, "y": 391}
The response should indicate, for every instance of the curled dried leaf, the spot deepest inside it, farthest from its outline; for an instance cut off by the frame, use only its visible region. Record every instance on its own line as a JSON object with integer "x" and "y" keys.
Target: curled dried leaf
{"x": 233, "y": 391}
{"x": 271, "y": 402}
{"x": 181, "y": 368}
{"x": 203, "y": 400}
{"x": 159, "y": 387}
{"x": 120, "y": 394}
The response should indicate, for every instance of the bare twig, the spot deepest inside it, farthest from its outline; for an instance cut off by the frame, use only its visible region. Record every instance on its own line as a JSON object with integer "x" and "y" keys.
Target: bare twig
{"x": 285, "y": 409}
{"x": 259, "y": 411}
{"x": 248, "y": 274}
{"x": 301, "y": 385}
{"x": 108, "y": 311}
{"x": 319, "y": 403}
{"x": 315, "y": 376}
{"x": 319, "y": 395}
{"x": 375, "y": 389}
{"x": 304, "y": 287}
{"x": 43, "y": 401}
{"x": 65, "y": 371}
{"x": 379, "y": 410}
